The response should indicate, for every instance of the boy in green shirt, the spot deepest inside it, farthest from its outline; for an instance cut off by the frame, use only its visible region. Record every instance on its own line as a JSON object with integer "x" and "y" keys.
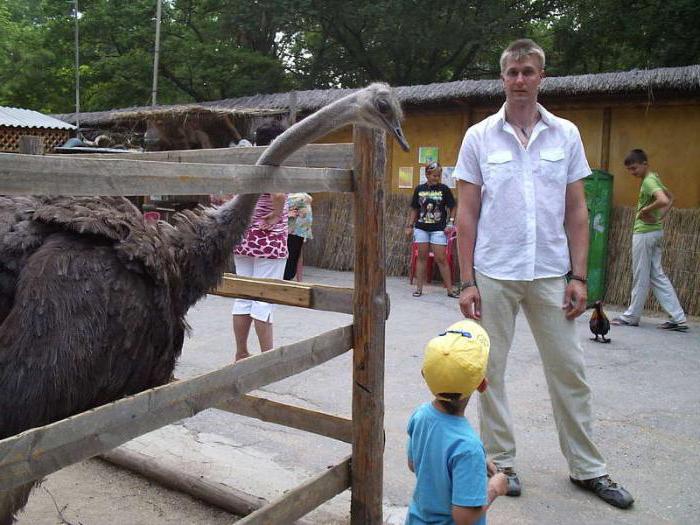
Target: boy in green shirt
{"x": 654, "y": 203}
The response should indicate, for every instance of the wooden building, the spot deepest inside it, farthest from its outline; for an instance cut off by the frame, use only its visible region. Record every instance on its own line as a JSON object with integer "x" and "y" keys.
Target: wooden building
{"x": 16, "y": 122}
{"x": 657, "y": 110}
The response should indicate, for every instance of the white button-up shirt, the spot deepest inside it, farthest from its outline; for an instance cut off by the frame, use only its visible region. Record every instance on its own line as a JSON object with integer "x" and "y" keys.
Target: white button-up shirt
{"x": 520, "y": 235}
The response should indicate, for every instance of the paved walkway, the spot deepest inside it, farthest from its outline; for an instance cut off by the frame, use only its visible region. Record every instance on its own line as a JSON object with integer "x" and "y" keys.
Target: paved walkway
{"x": 646, "y": 386}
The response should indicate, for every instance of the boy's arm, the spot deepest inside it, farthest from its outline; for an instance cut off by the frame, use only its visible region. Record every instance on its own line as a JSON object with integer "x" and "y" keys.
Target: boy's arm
{"x": 466, "y": 515}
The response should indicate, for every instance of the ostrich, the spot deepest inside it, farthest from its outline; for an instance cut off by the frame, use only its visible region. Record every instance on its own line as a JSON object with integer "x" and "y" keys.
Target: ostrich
{"x": 93, "y": 299}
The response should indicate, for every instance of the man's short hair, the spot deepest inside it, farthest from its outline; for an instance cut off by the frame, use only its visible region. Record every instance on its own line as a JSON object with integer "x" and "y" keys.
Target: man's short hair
{"x": 636, "y": 156}
{"x": 268, "y": 131}
{"x": 520, "y": 49}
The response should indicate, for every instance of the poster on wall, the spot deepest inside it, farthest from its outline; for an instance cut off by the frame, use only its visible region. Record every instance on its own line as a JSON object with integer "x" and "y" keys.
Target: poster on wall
{"x": 406, "y": 177}
{"x": 422, "y": 179}
{"x": 448, "y": 176}
{"x": 427, "y": 154}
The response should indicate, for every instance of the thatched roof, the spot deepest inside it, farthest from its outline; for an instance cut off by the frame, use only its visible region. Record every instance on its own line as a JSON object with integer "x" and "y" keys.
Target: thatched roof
{"x": 678, "y": 81}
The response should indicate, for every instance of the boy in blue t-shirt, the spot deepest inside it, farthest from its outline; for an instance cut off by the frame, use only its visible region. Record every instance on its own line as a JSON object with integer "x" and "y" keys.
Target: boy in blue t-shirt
{"x": 452, "y": 485}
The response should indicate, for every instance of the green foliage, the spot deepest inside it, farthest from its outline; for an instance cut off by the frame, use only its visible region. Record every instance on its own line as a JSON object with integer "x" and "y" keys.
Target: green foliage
{"x": 215, "y": 49}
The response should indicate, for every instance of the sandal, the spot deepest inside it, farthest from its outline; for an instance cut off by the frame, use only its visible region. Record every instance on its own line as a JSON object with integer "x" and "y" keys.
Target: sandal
{"x": 621, "y": 321}
{"x": 453, "y": 294}
{"x": 417, "y": 293}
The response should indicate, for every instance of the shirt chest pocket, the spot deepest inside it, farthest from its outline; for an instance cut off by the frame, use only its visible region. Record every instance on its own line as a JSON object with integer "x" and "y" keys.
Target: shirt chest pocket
{"x": 499, "y": 167}
{"x": 553, "y": 164}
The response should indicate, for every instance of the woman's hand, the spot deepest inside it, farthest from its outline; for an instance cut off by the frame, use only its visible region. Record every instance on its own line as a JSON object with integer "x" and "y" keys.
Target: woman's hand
{"x": 409, "y": 231}
{"x": 269, "y": 220}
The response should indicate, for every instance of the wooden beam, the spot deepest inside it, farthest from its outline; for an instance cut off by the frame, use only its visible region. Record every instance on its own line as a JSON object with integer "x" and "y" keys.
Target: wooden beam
{"x": 370, "y": 309}
{"x": 70, "y": 175}
{"x": 40, "y": 451}
{"x": 228, "y": 498}
{"x": 320, "y": 423}
{"x": 311, "y": 156}
{"x": 305, "y": 295}
{"x": 605, "y": 140}
{"x": 304, "y": 498}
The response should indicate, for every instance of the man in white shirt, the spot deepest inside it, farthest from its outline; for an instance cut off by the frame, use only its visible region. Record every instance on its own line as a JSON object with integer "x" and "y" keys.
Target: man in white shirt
{"x": 522, "y": 225}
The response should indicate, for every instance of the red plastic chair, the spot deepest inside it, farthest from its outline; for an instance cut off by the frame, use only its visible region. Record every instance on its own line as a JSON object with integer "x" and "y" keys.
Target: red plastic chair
{"x": 431, "y": 256}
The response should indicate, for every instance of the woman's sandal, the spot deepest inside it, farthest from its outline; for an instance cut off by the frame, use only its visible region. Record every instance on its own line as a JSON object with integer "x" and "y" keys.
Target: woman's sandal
{"x": 453, "y": 294}
{"x": 417, "y": 293}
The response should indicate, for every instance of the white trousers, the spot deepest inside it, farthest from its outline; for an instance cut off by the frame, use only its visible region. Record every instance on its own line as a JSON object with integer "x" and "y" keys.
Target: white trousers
{"x": 647, "y": 272}
{"x": 564, "y": 370}
{"x": 257, "y": 267}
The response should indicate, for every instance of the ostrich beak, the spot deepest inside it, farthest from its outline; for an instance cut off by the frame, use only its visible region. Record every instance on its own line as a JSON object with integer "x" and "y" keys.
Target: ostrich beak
{"x": 395, "y": 129}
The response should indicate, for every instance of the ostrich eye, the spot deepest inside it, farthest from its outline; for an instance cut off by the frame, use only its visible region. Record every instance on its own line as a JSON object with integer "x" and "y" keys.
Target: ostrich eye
{"x": 383, "y": 106}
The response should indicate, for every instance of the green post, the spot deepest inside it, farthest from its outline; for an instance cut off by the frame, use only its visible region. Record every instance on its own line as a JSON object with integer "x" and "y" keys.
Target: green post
{"x": 598, "y": 186}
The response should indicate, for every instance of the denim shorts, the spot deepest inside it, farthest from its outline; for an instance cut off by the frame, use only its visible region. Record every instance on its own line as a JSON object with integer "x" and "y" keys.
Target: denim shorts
{"x": 422, "y": 236}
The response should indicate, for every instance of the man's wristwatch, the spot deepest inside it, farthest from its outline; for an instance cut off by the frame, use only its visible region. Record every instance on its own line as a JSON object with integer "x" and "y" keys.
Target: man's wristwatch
{"x": 572, "y": 277}
{"x": 466, "y": 284}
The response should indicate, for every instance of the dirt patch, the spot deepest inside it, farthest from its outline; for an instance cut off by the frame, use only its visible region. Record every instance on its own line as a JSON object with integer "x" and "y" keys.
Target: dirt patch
{"x": 96, "y": 493}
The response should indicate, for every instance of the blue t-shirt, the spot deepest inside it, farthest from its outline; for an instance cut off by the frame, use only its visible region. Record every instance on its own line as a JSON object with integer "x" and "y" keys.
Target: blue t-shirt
{"x": 450, "y": 466}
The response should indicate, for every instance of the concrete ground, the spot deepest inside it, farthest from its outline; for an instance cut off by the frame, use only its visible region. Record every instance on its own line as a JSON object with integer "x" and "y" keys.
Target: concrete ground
{"x": 646, "y": 395}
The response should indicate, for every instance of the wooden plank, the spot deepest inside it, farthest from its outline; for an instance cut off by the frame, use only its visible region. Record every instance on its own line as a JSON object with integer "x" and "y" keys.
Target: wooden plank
{"x": 605, "y": 139}
{"x": 31, "y": 145}
{"x": 305, "y": 295}
{"x": 370, "y": 309}
{"x": 38, "y": 452}
{"x": 304, "y": 498}
{"x": 222, "y": 496}
{"x": 73, "y": 175}
{"x": 320, "y": 423}
{"x": 311, "y": 156}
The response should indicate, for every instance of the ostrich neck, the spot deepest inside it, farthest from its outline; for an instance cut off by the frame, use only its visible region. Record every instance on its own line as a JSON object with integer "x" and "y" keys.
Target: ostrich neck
{"x": 208, "y": 240}
{"x": 313, "y": 127}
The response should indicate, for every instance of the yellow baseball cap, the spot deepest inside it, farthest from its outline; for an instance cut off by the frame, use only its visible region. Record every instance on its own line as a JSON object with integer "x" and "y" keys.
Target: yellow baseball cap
{"x": 455, "y": 361}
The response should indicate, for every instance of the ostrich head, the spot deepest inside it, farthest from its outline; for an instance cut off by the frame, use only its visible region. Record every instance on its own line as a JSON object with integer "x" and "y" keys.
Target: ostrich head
{"x": 375, "y": 106}
{"x": 378, "y": 107}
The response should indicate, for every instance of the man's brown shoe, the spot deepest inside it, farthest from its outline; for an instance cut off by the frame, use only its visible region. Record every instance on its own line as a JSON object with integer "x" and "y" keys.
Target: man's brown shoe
{"x": 607, "y": 490}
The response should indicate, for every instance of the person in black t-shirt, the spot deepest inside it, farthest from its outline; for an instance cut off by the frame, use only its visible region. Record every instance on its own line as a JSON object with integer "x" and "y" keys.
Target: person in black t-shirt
{"x": 431, "y": 222}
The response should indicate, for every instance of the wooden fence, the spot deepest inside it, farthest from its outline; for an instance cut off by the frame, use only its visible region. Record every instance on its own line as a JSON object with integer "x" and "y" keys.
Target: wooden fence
{"x": 358, "y": 168}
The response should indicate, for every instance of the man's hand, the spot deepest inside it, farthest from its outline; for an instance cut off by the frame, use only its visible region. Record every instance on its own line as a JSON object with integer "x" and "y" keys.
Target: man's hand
{"x": 575, "y": 298}
{"x": 646, "y": 216}
{"x": 470, "y": 303}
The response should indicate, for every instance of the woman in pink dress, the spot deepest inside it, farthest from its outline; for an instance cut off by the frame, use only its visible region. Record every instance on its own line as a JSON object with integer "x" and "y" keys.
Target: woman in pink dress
{"x": 261, "y": 253}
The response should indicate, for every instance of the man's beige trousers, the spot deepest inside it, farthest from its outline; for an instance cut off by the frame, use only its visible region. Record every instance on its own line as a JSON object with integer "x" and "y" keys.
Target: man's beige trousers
{"x": 564, "y": 370}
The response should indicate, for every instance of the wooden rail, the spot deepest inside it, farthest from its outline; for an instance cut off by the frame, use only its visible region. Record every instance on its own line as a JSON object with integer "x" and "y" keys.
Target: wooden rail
{"x": 311, "y": 156}
{"x": 320, "y": 423}
{"x": 35, "y": 453}
{"x": 304, "y": 498}
{"x": 70, "y": 175}
{"x": 314, "y": 296}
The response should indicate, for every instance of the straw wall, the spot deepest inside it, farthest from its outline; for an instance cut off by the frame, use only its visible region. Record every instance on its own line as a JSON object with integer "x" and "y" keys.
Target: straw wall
{"x": 332, "y": 246}
{"x": 680, "y": 260}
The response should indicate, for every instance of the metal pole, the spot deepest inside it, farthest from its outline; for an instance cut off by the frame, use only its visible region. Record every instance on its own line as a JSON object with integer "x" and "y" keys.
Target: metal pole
{"x": 156, "y": 54}
{"x": 77, "y": 70}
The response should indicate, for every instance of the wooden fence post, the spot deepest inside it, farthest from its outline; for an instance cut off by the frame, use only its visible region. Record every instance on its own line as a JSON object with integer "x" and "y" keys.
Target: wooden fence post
{"x": 31, "y": 145}
{"x": 369, "y": 309}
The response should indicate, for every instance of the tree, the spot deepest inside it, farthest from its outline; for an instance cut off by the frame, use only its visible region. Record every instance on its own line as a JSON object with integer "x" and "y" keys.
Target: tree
{"x": 406, "y": 42}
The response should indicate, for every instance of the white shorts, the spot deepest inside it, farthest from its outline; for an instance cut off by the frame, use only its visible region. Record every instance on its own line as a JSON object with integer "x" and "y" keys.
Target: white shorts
{"x": 247, "y": 266}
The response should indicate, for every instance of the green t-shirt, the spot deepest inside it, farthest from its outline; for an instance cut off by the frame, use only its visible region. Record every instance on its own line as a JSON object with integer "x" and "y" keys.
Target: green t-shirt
{"x": 650, "y": 185}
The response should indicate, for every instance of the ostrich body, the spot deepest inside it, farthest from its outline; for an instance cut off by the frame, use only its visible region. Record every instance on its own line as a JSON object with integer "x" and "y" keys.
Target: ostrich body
{"x": 599, "y": 323}
{"x": 93, "y": 298}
